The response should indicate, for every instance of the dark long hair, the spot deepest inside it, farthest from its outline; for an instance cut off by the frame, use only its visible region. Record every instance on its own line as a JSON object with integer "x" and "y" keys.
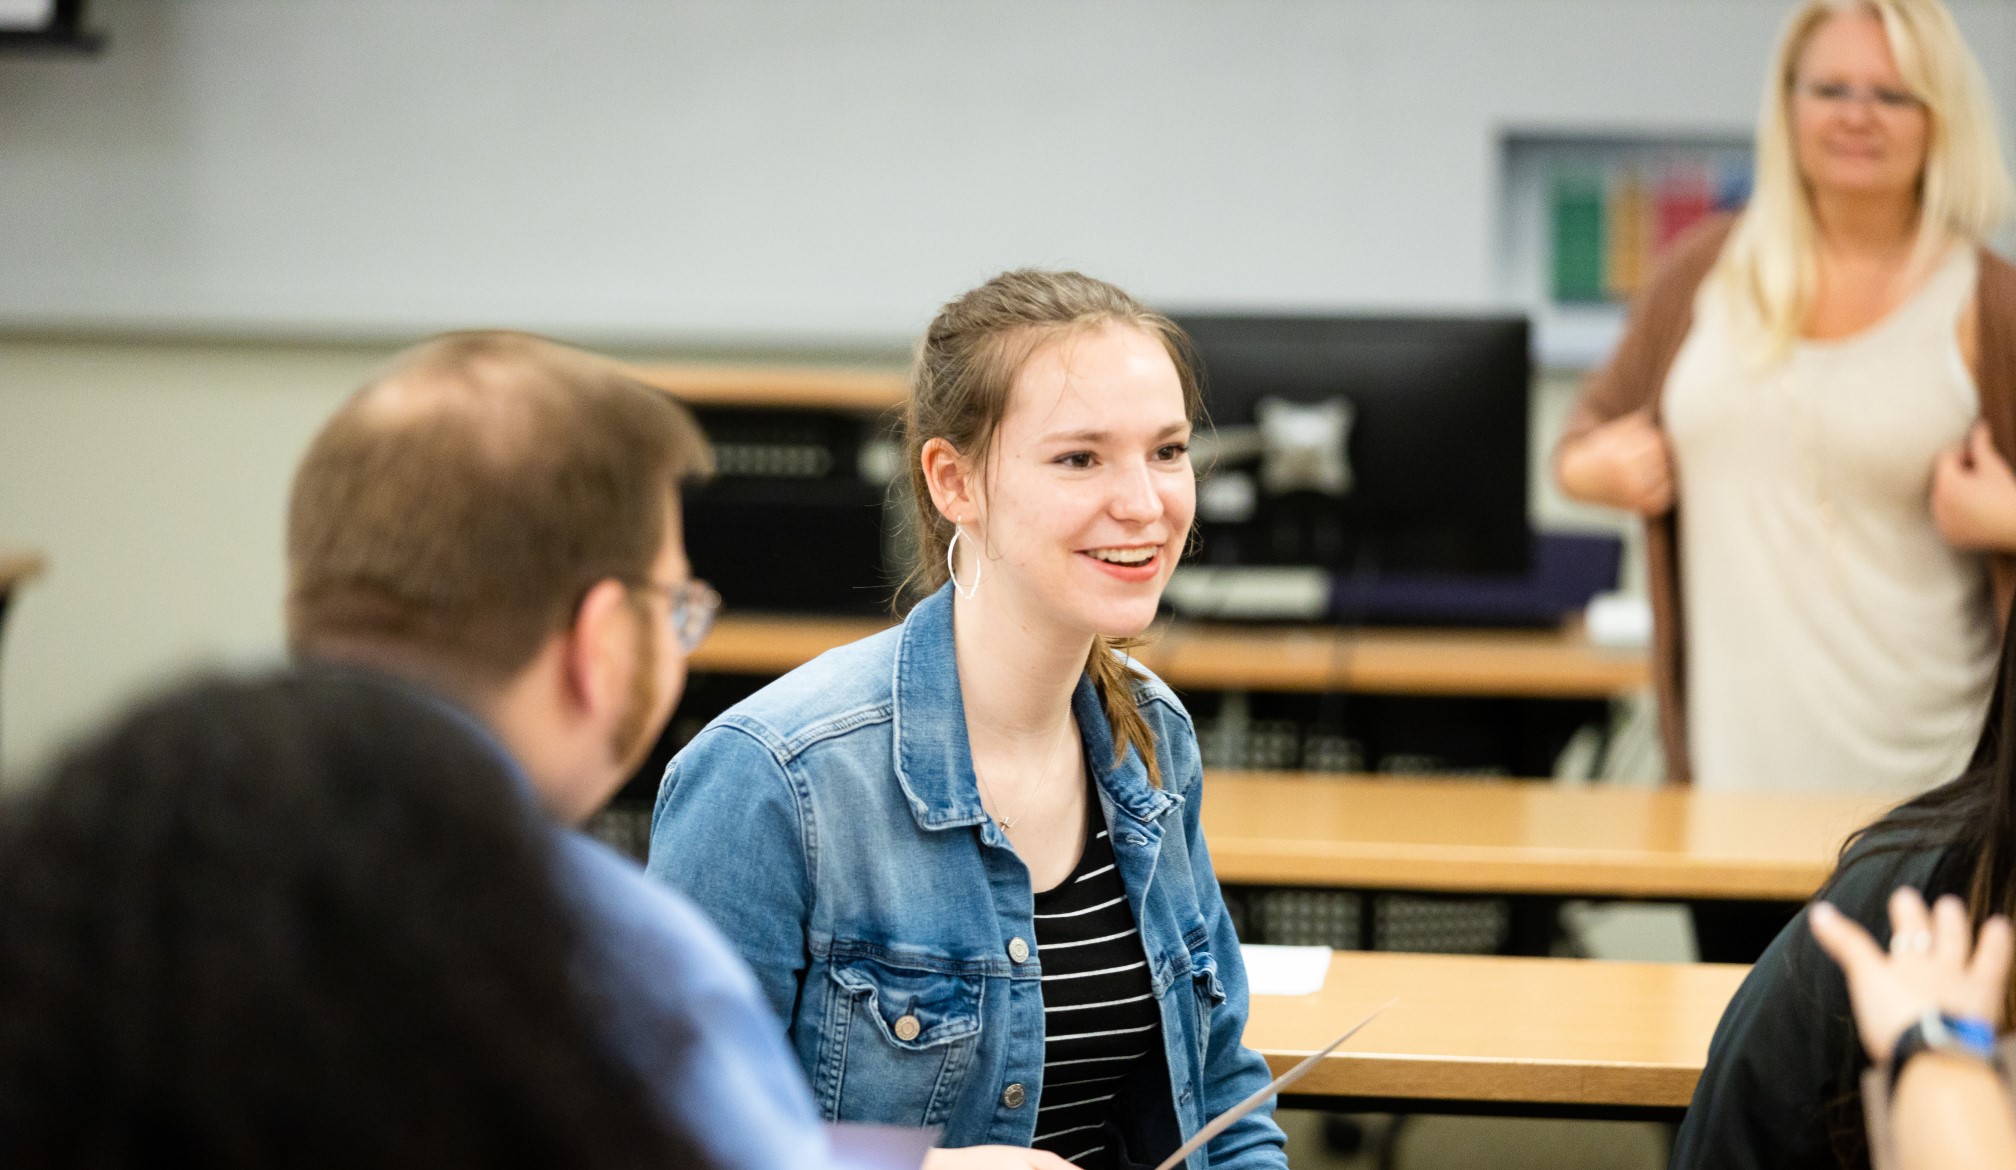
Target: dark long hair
{"x": 1969, "y": 821}
{"x": 1969, "y": 825}
{"x": 305, "y": 921}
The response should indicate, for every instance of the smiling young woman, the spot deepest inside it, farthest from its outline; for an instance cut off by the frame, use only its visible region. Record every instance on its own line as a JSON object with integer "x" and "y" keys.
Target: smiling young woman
{"x": 964, "y": 856}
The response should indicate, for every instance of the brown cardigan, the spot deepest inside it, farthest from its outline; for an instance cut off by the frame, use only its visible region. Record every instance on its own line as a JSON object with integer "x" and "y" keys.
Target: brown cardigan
{"x": 1635, "y": 379}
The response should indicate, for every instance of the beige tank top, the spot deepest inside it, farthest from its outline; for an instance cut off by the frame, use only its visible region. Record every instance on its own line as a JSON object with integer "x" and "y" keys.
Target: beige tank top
{"x": 1834, "y": 640}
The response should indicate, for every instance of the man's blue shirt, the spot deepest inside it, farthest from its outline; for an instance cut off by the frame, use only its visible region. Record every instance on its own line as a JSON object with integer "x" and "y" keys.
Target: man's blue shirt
{"x": 687, "y": 1015}
{"x": 684, "y": 1012}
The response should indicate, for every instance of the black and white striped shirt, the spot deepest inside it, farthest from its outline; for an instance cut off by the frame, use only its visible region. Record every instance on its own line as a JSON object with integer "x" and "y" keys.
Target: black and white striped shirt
{"x": 1099, "y": 1012}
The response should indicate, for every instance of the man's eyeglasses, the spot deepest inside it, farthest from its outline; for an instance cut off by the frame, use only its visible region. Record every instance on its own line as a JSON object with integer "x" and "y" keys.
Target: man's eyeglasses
{"x": 1840, "y": 93}
{"x": 694, "y": 604}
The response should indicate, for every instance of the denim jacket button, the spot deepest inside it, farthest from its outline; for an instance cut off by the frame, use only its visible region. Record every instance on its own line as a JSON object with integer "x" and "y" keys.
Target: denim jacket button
{"x": 1014, "y": 1095}
{"x": 1018, "y": 951}
{"x": 907, "y": 1028}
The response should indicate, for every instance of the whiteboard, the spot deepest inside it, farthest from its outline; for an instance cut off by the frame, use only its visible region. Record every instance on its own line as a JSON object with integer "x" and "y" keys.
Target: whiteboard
{"x": 763, "y": 171}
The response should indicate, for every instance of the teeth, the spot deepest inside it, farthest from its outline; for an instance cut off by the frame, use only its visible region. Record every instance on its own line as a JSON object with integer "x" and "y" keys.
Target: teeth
{"x": 1125, "y": 556}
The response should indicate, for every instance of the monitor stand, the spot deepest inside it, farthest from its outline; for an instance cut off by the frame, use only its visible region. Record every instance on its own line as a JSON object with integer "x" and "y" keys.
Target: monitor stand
{"x": 1250, "y": 592}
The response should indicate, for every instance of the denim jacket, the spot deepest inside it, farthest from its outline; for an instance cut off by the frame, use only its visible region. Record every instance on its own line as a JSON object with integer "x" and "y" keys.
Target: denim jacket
{"x": 831, "y": 826}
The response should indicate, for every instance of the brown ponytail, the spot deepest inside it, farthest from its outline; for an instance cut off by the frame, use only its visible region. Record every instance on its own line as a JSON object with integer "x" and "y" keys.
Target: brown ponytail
{"x": 1115, "y": 678}
{"x": 959, "y": 384}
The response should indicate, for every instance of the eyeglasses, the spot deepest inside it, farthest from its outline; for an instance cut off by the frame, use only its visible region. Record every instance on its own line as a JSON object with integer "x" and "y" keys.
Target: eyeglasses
{"x": 1840, "y": 93}
{"x": 694, "y": 604}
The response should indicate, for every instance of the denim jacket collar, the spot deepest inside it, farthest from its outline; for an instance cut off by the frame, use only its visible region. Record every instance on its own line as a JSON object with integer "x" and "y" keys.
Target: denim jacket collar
{"x": 934, "y": 761}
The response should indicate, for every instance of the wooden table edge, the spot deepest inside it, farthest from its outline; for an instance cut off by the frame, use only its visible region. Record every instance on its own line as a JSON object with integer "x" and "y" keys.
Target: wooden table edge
{"x": 1491, "y": 1079}
{"x": 1567, "y": 873}
{"x": 854, "y": 389}
{"x": 761, "y": 643}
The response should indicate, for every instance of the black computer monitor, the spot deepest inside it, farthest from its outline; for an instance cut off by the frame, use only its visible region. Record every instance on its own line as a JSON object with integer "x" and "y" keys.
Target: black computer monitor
{"x": 1434, "y": 452}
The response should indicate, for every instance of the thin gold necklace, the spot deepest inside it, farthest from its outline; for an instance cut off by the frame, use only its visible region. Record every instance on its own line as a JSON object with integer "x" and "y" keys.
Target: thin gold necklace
{"x": 987, "y": 790}
{"x": 1006, "y": 823}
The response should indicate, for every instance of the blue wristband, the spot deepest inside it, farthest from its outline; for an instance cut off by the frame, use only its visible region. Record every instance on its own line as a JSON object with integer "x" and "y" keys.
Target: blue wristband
{"x": 1974, "y": 1035}
{"x": 1965, "y": 1036}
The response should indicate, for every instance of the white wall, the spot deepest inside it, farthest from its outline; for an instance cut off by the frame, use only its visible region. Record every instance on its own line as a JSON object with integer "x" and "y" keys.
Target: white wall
{"x": 255, "y": 174}
{"x": 795, "y": 168}
{"x": 154, "y": 477}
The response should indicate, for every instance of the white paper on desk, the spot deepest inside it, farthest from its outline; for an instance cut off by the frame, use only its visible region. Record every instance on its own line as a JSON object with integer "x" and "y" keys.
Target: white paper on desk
{"x": 1272, "y": 970}
{"x": 877, "y": 1147}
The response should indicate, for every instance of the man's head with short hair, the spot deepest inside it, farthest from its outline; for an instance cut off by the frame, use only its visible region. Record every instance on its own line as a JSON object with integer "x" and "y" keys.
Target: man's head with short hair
{"x": 465, "y": 515}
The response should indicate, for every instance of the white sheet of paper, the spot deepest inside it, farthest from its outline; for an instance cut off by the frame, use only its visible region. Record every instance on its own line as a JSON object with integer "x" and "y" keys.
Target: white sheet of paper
{"x": 855, "y": 1146}
{"x": 1274, "y": 970}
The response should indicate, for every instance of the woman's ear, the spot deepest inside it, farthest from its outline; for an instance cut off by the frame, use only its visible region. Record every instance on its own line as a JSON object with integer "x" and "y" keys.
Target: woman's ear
{"x": 950, "y": 477}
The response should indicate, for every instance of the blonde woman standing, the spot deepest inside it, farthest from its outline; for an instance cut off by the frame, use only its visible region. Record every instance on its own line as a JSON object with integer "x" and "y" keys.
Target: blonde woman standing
{"x": 1814, "y": 408}
{"x": 964, "y": 856}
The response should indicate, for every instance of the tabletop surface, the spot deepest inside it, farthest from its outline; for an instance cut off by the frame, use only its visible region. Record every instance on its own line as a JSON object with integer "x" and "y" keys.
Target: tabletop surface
{"x": 1559, "y": 663}
{"x": 1523, "y": 836}
{"x": 862, "y": 390}
{"x": 1561, "y": 1032}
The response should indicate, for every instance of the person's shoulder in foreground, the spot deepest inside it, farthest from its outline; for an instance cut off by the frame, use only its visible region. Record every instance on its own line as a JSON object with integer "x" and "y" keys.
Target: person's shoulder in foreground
{"x": 352, "y": 949}
{"x": 686, "y": 1013}
{"x": 1778, "y": 1089}
{"x": 682, "y": 1011}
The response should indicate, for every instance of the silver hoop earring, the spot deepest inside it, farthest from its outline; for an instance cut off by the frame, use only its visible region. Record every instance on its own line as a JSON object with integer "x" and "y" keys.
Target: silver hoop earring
{"x": 953, "y": 574}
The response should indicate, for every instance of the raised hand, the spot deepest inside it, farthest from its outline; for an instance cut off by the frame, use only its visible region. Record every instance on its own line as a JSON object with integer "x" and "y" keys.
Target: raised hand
{"x": 1625, "y": 463}
{"x": 1974, "y": 495}
{"x": 1933, "y": 963}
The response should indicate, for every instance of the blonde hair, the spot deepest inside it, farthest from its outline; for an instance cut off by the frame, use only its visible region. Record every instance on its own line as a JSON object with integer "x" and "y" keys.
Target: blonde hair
{"x": 965, "y": 368}
{"x": 1964, "y": 191}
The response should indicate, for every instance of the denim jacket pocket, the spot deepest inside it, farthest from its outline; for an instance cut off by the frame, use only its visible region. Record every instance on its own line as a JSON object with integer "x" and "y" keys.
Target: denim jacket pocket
{"x": 898, "y": 1040}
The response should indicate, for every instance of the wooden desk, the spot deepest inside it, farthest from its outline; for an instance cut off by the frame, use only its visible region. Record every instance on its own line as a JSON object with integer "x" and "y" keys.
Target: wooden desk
{"x": 865, "y": 391}
{"x": 1546, "y": 1037}
{"x": 769, "y": 644}
{"x": 1558, "y": 664}
{"x": 1549, "y": 664}
{"x": 1523, "y": 837}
